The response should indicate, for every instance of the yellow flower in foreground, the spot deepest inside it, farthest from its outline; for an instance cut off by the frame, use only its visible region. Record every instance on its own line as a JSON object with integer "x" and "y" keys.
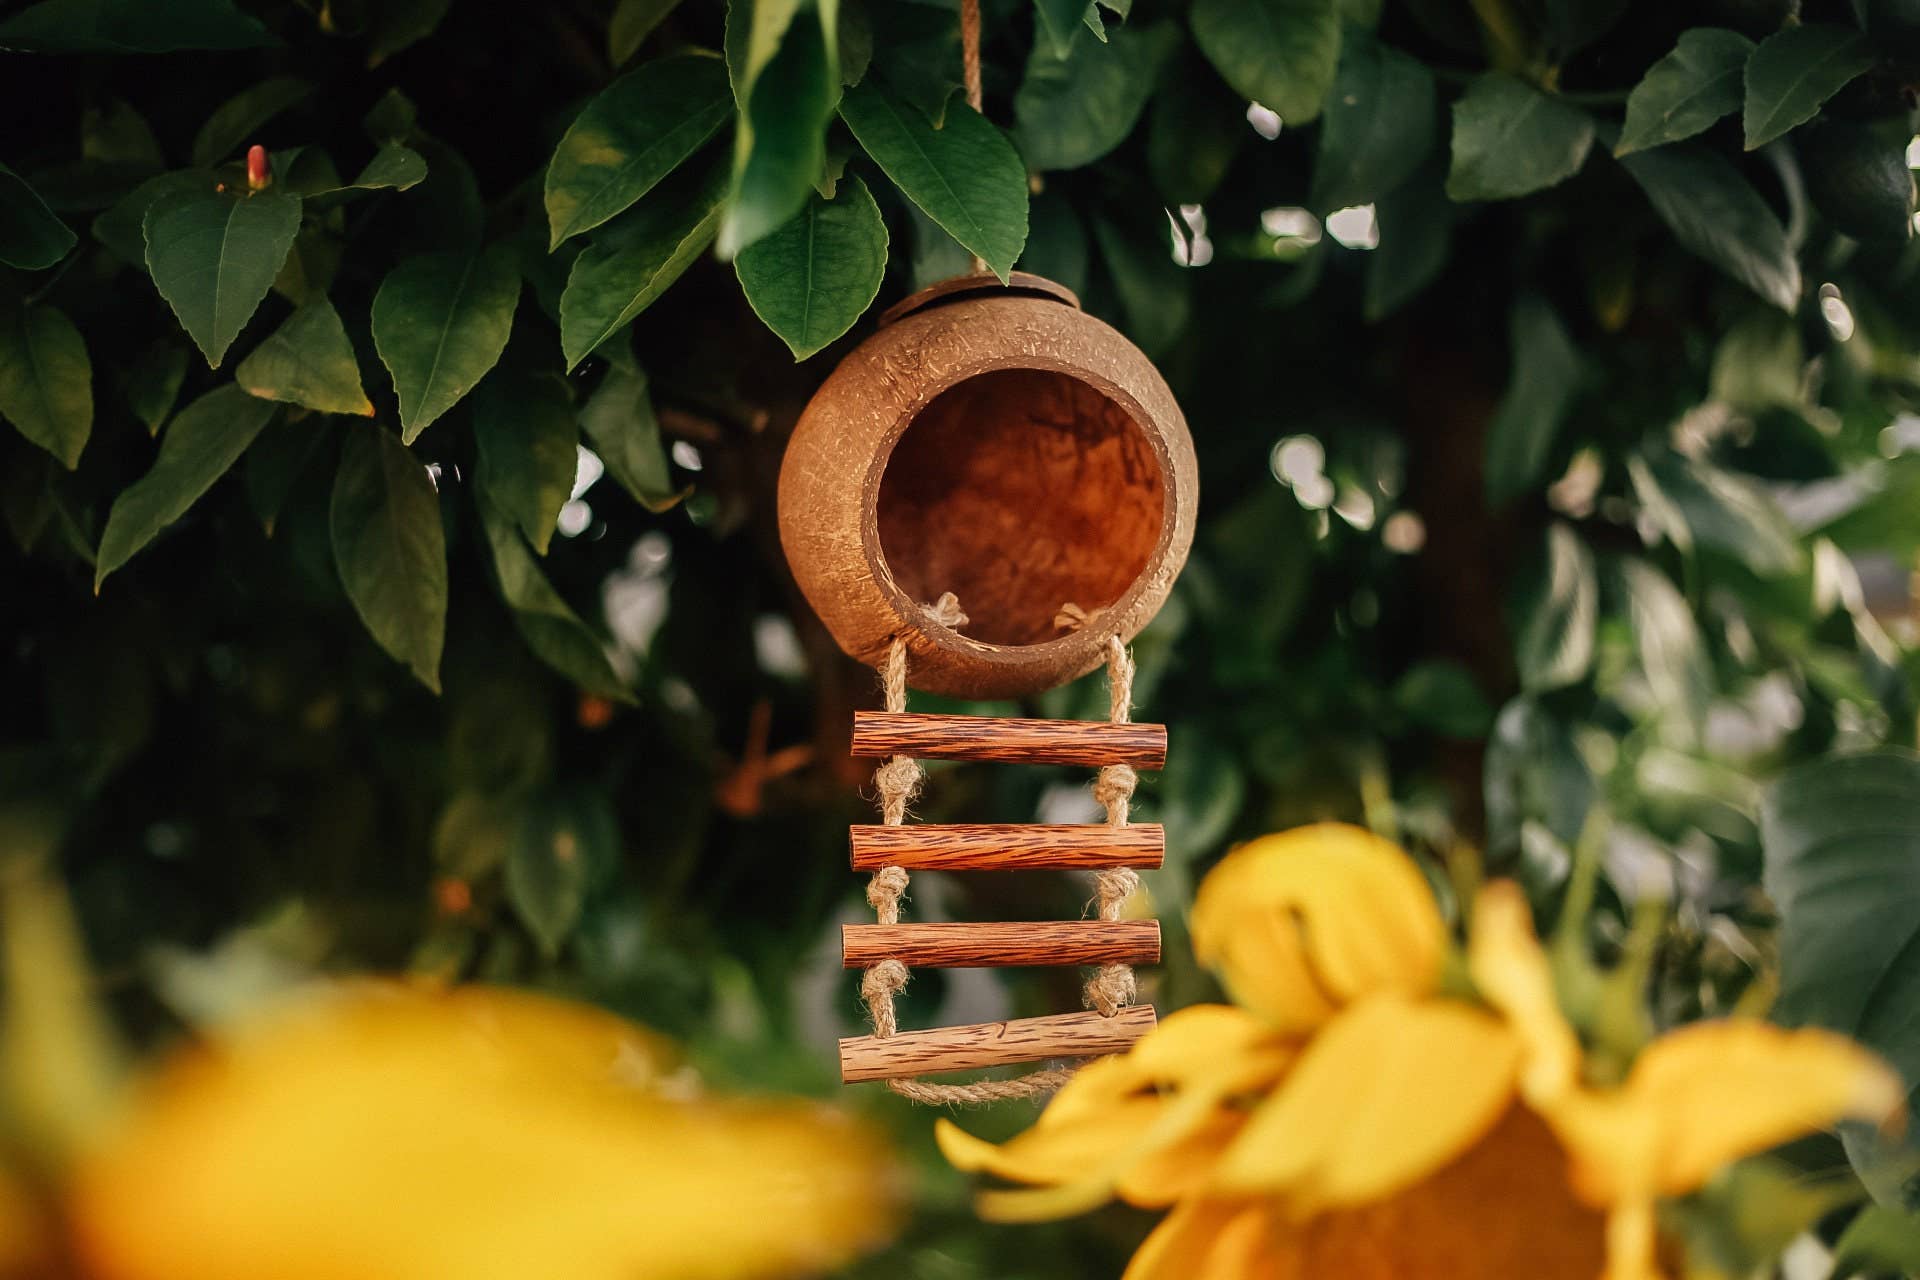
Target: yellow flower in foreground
{"x": 1351, "y": 1120}
{"x": 401, "y": 1133}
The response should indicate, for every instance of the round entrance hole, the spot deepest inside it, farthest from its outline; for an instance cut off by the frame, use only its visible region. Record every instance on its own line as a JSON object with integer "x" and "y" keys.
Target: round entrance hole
{"x": 1020, "y": 491}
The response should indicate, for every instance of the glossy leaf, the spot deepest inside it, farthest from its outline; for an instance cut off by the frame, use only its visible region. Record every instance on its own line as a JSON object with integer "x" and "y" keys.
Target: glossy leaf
{"x": 1699, "y": 505}
{"x": 1673, "y": 657}
{"x": 46, "y": 380}
{"x": 440, "y": 321}
{"x": 964, "y": 175}
{"x": 1555, "y": 645}
{"x": 813, "y": 278}
{"x": 1377, "y": 128}
{"x": 1070, "y": 112}
{"x": 199, "y": 447}
{"x": 529, "y": 449}
{"x": 1714, "y": 212}
{"x": 131, "y": 26}
{"x": 1510, "y": 139}
{"x": 390, "y": 548}
{"x": 1283, "y": 54}
{"x": 393, "y": 168}
{"x": 546, "y": 622}
{"x": 307, "y": 361}
{"x": 213, "y": 256}
{"x": 619, "y": 423}
{"x": 634, "y": 259}
{"x": 153, "y": 384}
{"x": 1794, "y": 71}
{"x": 235, "y": 122}
{"x": 636, "y": 132}
{"x": 1702, "y": 80}
{"x": 31, "y": 237}
{"x": 780, "y": 143}
{"x": 1546, "y": 375}
{"x": 1842, "y": 844}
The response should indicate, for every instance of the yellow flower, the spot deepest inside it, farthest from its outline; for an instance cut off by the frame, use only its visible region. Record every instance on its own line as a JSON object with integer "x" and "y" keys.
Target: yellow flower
{"x": 405, "y": 1133}
{"x": 1354, "y": 1120}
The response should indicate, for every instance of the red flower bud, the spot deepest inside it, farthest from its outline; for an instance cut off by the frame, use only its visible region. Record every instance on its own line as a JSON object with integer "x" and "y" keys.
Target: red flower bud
{"x": 259, "y": 173}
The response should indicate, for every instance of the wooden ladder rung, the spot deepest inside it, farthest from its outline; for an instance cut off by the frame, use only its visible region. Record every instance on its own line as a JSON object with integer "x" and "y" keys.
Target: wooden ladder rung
{"x": 992, "y": 1044}
{"x": 1001, "y": 944}
{"x": 982, "y": 846}
{"x": 1081, "y": 742}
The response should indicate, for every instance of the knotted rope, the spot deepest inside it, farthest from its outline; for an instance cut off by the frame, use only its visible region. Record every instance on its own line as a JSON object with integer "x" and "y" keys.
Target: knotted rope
{"x": 898, "y": 782}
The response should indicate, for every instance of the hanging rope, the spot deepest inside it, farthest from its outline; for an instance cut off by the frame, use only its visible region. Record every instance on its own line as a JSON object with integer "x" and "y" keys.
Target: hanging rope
{"x": 970, "y": 72}
{"x": 898, "y": 782}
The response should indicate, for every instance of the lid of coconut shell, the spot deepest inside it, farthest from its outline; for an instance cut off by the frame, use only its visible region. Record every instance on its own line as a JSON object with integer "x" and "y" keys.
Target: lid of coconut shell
{"x": 997, "y": 443}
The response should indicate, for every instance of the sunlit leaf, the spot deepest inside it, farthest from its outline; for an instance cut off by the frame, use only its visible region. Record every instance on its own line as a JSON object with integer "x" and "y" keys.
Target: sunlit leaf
{"x": 632, "y": 135}
{"x": 307, "y": 361}
{"x": 780, "y": 144}
{"x": 1555, "y": 644}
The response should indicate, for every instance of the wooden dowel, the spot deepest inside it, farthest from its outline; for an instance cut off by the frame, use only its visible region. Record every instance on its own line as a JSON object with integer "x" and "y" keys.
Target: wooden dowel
{"x": 992, "y": 1044}
{"x": 1083, "y": 742}
{"x": 964, "y": 846}
{"x": 991, "y": 946}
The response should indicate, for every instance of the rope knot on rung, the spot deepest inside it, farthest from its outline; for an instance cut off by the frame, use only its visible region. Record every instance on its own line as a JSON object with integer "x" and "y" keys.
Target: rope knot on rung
{"x": 884, "y": 891}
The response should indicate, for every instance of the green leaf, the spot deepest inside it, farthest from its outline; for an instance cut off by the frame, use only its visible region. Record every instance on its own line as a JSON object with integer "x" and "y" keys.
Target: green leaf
{"x": 1794, "y": 71}
{"x": 551, "y": 629}
{"x": 619, "y": 423}
{"x": 1686, "y": 91}
{"x": 1697, "y": 504}
{"x": 198, "y": 448}
{"x": 633, "y": 21}
{"x": 242, "y": 115}
{"x": 1060, "y": 21}
{"x": 1283, "y": 54}
{"x": 1841, "y": 840}
{"x": 567, "y": 842}
{"x": 393, "y": 168}
{"x": 30, "y": 236}
{"x": 275, "y": 463}
{"x": 390, "y": 548}
{"x": 1152, "y": 286}
{"x": 1378, "y": 126}
{"x": 1758, "y": 363}
{"x": 1573, "y": 24}
{"x": 396, "y": 24}
{"x": 635, "y": 133}
{"x": 307, "y": 361}
{"x": 1555, "y": 645}
{"x": 780, "y": 145}
{"x": 1534, "y": 774}
{"x": 1672, "y": 655}
{"x": 964, "y": 175}
{"x": 1441, "y": 697}
{"x": 131, "y": 26}
{"x": 1880, "y": 1241}
{"x": 1194, "y": 135}
{"x": 153, "y": 386}
{"x": 122, "y": 228}
{"x": 440, "y": 321}
{"x": 46, "y": 380}
{"x": 1056, "y": 242}
{"x": 1070, "y": 112}
{"x": 1415, "y": 222}
{"x": 529, "y": 449}
{"x": 635, "y": 258}
{"x": 1510, "y": 139}
{"x": 811, "y": 279}
{"x": 473, "y": 834}
{"x": 1546, "y": 375}
{"x": 213, "y": 256}
{"x": 1715, "y": 213}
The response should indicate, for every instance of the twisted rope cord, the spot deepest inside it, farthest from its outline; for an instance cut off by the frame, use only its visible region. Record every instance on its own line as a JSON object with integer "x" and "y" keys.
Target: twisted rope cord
{"x": 1112, "y": 988}
{"x": 970, "y": 72}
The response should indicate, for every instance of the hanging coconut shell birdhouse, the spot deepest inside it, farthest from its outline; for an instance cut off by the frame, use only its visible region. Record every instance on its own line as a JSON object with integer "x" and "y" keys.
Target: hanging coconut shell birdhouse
{"x": 998, "y": 444}
{"x": 988, "y": 498}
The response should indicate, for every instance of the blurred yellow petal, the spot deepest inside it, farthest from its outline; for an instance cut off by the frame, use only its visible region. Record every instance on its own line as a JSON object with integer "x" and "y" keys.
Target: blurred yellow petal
{"x": 1510, "y": 969}
{"x": 1708, "y": 1094}
{"x": 1388, "y": 1092}
{"x": 1053, "y": 1153}
{"x": 1207, "y": 1240}
{"x": 27, "y": 1228}
{"x": 486, "y": 1135}
{"x": 1217, "y": 1047}
{"x": 1301, "y": 923}
{"x": 1184, "y": 1165}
